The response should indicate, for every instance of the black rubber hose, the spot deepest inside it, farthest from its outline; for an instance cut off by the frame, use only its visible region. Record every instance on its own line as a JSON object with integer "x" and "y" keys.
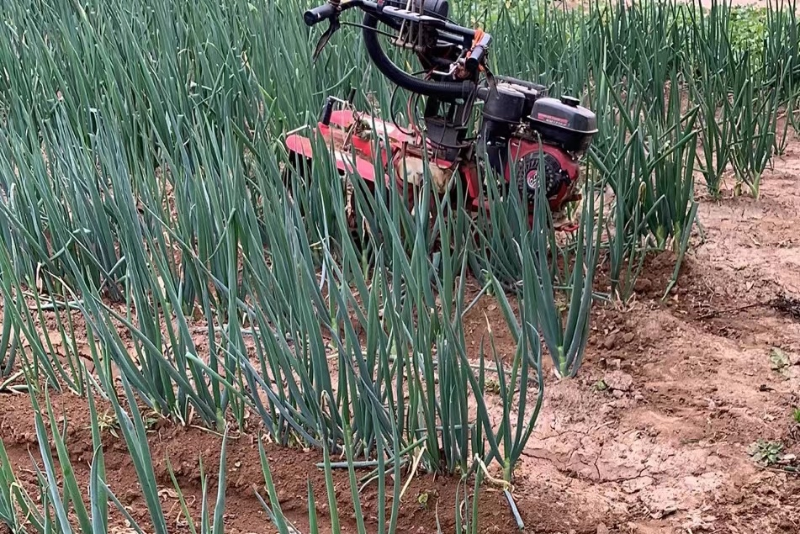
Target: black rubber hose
{"x": 440, "y": 90}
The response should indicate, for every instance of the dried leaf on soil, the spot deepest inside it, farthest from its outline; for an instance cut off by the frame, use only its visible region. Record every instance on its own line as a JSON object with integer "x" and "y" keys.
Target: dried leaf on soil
{"x": 778, "y": 359}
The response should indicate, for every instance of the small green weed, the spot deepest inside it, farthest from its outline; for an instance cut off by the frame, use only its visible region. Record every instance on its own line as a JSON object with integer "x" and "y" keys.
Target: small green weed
{"x": 766, "y": 453}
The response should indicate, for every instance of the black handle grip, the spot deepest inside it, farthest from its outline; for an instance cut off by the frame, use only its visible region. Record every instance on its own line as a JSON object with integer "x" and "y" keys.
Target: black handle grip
{"x": 477, "y": 53}
{"x": 475, "y": 58}
{"x": 318, "y": 14}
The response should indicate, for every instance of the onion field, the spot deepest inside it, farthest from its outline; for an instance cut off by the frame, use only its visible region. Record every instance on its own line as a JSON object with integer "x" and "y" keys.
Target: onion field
{"x": 192, "y": 340}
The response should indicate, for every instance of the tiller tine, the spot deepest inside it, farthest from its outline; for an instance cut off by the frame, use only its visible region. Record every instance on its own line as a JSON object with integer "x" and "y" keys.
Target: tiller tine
{"x": 565, "y": 225}
{"x": 568, "y": 228}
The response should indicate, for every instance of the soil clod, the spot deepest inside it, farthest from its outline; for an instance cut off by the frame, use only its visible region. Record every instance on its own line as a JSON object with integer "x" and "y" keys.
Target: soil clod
{"x": 787, "y": 305}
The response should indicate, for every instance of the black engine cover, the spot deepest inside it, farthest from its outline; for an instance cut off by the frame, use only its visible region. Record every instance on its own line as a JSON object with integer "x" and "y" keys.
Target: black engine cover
{"x": 564, "y": 122}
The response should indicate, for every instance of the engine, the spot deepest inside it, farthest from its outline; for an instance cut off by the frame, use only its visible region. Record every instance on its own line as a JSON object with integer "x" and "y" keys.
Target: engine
{"x": 519, "y": 119}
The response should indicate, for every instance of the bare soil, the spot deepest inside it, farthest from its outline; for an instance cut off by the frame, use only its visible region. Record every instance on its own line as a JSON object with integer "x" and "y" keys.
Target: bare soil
{"x": 653, "y": 436}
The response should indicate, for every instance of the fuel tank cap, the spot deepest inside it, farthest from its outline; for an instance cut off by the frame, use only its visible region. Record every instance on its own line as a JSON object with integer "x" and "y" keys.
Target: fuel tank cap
{"x": 570, "y": 101}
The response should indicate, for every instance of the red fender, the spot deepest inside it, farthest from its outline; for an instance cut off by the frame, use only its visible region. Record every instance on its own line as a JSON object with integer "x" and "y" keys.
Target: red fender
{"x": 335, "y": 133}
{"x": 354, "y": 154}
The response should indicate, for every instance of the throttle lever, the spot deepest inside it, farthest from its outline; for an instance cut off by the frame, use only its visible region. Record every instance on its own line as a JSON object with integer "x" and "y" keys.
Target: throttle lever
{"x": 323, "y": 41}
{"x": 331, "y": 12}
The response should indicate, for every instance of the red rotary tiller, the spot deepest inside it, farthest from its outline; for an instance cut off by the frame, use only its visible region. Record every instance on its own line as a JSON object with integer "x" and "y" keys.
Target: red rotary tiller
{"x": 517, "y": 118}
